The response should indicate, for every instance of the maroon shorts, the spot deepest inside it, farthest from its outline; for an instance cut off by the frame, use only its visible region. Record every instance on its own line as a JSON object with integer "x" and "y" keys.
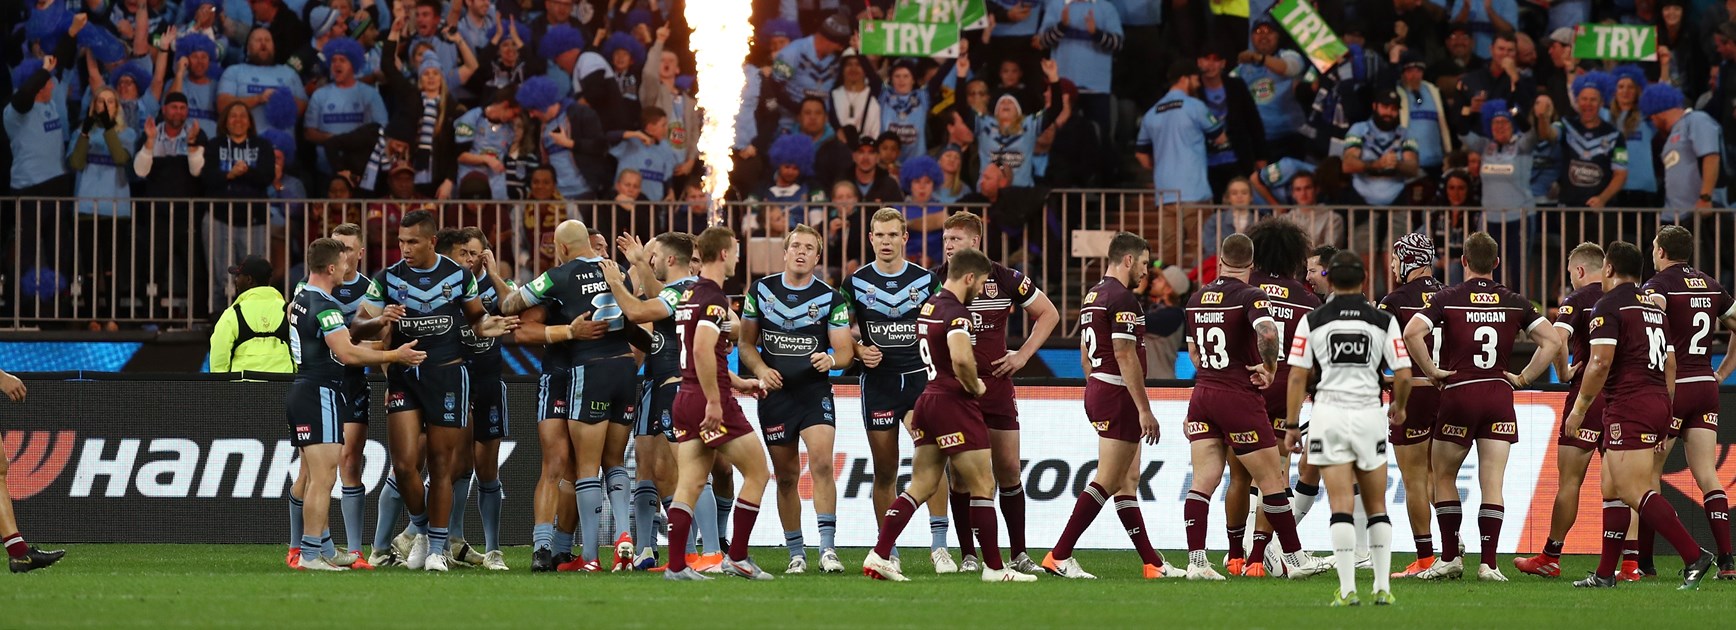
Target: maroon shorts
{"x": 1237, "y": 417}
{"x": 1277, "y": 397}
{"x": 1636, "y": 422}
{"x": 1590, "y": 435}
{"x": 1111, "y": 411}
{"x": 1419, "y": 416}
{"x": 1000, "y": 409}
{"x": 951, "y": 421}
{"x": 1695, "y": 407}
{"x": 689, "y": 411}
{"x": 1477, "y": 411}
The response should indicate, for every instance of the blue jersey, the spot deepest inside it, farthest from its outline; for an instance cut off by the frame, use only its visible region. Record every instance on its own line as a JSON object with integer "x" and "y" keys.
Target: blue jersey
{"x": 1695, "y": 135}
{"x": 577, "y": 289}
{"x": 1088, "y": 59}
{"x": 794, "y": 322}
{"x": 475, "y": 133}
{"x": 746, "y": 128}
{"x": 664, "y": 360}
{"x": 1642, "y": 174}
{"x": 1174, "y": 133}
{"x": 433, "y": 301}
{"x": 655, "y": 162}
{"x": 483, "y": 352}
{"x": 799, "y": 72}
{"x": 250, "y": 80}
{"x": 201, "y": 105}
{"x": 1011, "y": 147}
{"x": 1482, "y": 28}
{"x": 907, "y": 116}
{"x": 1140, "y": 12}
{"x": 38, "y": 138}
{"x": 1424, "y": 126}
{"x": 337, "y": 110}
{"x": 103, "y": 186}
{"x": 1545, "y": 165}
{"x": 1506, "y": 178}
{"x": 1378, "y": 190}
{"x": 1275, "y": 93}
{"x": 312, "y": 315}
{"x": 1276, "y": 178}
{"x": 885, "y": 308}
{"x": 1590, "y": 158}
{"x": 1023, "y": 28}
{"x": 1217, "y": 102}
{"x": 348, "y": 297}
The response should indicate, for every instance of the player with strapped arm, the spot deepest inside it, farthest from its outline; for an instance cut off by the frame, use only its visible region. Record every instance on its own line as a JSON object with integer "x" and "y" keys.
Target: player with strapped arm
{"x": 316, "y": 405}
{"x": 1574, "y": 450}
{"x": 948, "y": 427}
{"x": 1234, "y": 344}
{"x": 708, "y": 420}
{"x": 1413, "y": 257}
{"x": 1003, "y": 290}
{"x": 1280, "y": 260}
{"x": 601, "y": 395}
{"x": 788, "y": 320}
{"x": 21, "y": 557}
{"x": 885, "y": 298}
{"x": 1348, "y": 341}
{"x": 438, "y": 296}
{"x": 1479, "y": 321}
{"x": 1695, "y": 304}
{"x": 1630, "y": 353}
{"x": 1112, "y": 352}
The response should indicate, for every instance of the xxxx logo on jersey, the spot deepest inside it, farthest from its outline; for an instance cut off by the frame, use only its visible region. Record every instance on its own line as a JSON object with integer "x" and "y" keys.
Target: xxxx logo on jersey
{"x": 1485, "y": 298}
{"x": 950, "y": 440}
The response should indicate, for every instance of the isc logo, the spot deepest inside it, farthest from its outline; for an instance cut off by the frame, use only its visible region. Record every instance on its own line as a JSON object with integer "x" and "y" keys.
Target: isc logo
{"x": 950, "y": 440}
{"x": 1212, "y": 297}
{"x": 1485, "y": 298}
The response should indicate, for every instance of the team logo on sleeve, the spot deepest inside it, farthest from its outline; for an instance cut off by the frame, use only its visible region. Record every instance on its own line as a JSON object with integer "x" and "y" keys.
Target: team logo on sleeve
{"x": 331, "y": 319}
{"x": 1597, "y": 322}
{"x": 1566, "y": 309}
{"x": 960, "y": 322}
{"x": 928, "y": 309}
{"x": 1262, "y": 304}
{"x": 1428, "y": 298}
{"x": 1091, "y": 298}
{"x": 713, "y": 310}
{"x": 1126, "y": 317}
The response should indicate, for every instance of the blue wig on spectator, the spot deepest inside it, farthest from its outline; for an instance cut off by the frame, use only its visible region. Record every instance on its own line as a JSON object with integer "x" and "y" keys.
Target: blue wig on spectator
{"x": 22, "y": 73}
{"x": 282, "y": 142}
{"x": 1659, "y": 98}
{"x": 199, "y": 42}
{"x": 349, "y": 49}
{"x": 684, "y": 83}
{"x": 48, "y": 25}
{"x": 787, "y": 29}
{"x": 559, "y": 40}
{"x": 637, "y": 18}
{"x": 280, "y": 110}
{"x": 794, "y": 149}
{"x": 104, "y": 45}
{"x": 1492, "y": 109}
{"x": 917, "y": 168}
{"x": 1603, "y": 82}
{"x": 623, "y": 41}
{"x": 538, "y": 93}
{"x": 141, "y": 77}
{"x": 1633, "y": 73}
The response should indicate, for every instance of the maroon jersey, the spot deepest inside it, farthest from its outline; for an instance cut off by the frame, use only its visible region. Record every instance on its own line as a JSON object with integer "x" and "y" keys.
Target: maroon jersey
{"x": 1004, "y": 289}
{"x": 1574, "y": 318}
{"x": 1693, "y": 304}
{"x": 1290, "y": 302}
{"x": 1626, "y": 320}
{"x": 1110, "y": 312}
{"x": 942, "y": 317}
{"x": 1411, "y": 298}
{"x": 1479, "y": 321}
{"x": 1220, "y": 322}
{"x": 704, "y": 304}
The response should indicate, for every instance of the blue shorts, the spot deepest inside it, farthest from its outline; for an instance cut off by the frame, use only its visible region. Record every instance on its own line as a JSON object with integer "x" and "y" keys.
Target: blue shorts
{"x": 488, "y": 406}
{"x": 605, "y": 389}
{"x": 654, "y": 414}
{"x": 315, "y": 413}
{"x": 440, "y": 392}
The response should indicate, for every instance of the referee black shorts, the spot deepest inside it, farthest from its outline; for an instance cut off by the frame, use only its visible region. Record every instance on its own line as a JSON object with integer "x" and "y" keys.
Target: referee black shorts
{"x": 316, "y": 413}
{"x": 440, "y": 392}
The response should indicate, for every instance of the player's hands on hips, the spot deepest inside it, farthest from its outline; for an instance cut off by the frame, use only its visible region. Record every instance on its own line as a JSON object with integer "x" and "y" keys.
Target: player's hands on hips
{"x": 1260, "y": 376}
{"x": 586, "y": 329}
{"x": 1148, "y": 427}
{"x": 497, "y": 325}
{"x": 407, "y": 354}
{"x": 976, "y": 388}
{"x": 713, "y": 416}
{"x": 13, "y": 387}
{"x": 1515, "y": 380}
{"x": 1293, "y": 440}
{"x": 1439, "y": 377}
{"x": 870, "y": 356}
{"x": 1010, "y": 364}
{"x": 770, "y": 379}
{"x": 822, "y": 361}
{"x": 1395, "y": 414}
{"x": 611, "y": 272}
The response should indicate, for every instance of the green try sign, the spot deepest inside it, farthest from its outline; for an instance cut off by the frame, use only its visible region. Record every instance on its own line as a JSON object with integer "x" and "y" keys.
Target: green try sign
{"x": 1311, "y": 33}
{"x": 1615, "y": 41}
{"x": 909, "y": 39}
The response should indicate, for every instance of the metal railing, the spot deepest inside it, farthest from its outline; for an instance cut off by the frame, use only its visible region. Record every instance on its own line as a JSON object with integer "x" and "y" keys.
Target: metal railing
{"x": 166, "y": 262}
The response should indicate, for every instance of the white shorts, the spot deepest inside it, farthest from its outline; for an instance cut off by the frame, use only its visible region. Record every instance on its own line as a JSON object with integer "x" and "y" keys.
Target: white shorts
{"x": 1347, "y": 436}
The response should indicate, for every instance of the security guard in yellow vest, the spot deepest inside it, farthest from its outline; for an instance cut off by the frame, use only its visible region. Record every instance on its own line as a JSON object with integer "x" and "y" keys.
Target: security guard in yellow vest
{"x": 253, "y": 333}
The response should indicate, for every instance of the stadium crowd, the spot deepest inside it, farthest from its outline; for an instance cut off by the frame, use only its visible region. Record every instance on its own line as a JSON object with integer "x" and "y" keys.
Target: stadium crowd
{"x": 1472, "y": 104}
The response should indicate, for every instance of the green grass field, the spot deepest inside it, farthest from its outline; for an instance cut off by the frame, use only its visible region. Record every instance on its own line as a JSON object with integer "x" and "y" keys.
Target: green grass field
{"x": 247, "y": 585}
